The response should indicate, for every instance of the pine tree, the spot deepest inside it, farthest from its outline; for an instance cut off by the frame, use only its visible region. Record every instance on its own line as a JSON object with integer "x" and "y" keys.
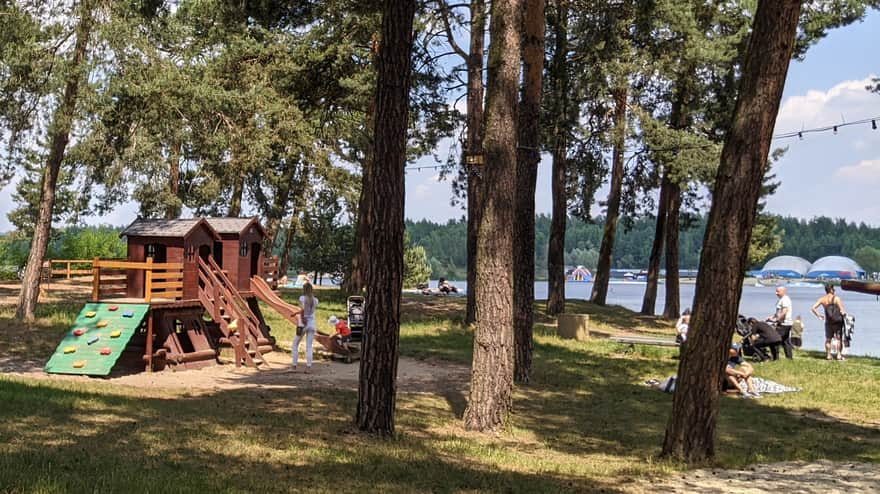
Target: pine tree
{"x": 377, "y": 386}
{"x": 691, "y": 429}
{"x": 493, "y": 361}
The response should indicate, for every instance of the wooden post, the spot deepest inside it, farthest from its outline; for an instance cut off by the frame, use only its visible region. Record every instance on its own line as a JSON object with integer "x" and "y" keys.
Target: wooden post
{"x": 96, "y": 281}
{"x": 68, "y": 269}
{"x": 148, "y": 282}
{"x": 149, "y": 342}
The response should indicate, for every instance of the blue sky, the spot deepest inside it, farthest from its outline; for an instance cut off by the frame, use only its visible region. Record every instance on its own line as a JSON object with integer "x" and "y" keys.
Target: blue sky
{"x": 824, "y": 174}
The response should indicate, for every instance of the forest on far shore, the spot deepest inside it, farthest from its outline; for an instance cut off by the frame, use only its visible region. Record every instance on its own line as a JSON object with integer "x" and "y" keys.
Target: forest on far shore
{"x": 810, "y": 239}
{"x": 445, "y": 249}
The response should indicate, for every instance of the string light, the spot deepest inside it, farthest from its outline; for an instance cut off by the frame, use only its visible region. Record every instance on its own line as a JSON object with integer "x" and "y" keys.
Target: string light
{"x": 676, "y": 149}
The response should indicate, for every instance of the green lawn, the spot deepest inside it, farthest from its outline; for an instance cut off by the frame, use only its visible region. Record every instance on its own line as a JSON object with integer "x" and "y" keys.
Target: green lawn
{"x": 585, "y": 423}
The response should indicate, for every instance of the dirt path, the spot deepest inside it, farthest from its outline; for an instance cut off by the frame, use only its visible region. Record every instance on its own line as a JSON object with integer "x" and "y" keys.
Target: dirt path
{"x": 796, "y": 477}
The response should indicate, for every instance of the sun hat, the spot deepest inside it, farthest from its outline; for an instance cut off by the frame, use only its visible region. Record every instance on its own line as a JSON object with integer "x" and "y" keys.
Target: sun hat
{"x": 333, "y": 320}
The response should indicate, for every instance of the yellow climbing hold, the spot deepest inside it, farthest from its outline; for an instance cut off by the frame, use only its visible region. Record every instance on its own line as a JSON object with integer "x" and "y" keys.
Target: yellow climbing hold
{"x": 79, "y": 364}
{"x": 101, "y": 324}
{"x": 69, "y": 349}
{"x": 91, "y": 313}
{"x": 116, "y": 333}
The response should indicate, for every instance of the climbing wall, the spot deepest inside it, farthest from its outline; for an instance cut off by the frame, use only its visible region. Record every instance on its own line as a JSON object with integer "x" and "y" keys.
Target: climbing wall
{"x": 97, "y": 339}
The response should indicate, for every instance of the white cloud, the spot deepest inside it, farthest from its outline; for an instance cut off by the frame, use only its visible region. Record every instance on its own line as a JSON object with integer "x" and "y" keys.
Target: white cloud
{"x": 864, "y": 172}
{"x": 846, "y": 101}
{"x": 422, "y": 191}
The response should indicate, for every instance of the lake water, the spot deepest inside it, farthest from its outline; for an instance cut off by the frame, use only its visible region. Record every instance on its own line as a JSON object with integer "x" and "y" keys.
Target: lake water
{"x": 757, "y": 301}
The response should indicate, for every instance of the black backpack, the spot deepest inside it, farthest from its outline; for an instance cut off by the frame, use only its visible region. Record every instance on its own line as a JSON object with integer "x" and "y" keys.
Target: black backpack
{"x": 832, "y": 313}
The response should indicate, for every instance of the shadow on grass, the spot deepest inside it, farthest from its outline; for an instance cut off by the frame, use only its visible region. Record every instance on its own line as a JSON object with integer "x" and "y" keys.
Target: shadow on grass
{"x": 59, "y": 439}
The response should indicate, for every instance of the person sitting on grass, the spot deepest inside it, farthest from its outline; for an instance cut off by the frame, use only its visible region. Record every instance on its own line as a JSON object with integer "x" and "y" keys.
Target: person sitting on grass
{"x": 343, "y": 332}
{"x": 739, "y": 372}
{"x": 445, "y": 287}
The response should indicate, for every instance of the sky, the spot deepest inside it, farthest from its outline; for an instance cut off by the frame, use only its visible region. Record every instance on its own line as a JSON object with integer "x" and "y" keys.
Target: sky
{"x": 824, "y": 174}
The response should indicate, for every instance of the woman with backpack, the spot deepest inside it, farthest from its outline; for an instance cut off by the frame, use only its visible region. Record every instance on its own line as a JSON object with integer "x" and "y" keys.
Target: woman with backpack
{"x": 834, "y": 314}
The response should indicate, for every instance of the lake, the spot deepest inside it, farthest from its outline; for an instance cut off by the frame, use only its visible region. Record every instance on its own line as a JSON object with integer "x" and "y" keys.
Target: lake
{"x": 757, "y": 301}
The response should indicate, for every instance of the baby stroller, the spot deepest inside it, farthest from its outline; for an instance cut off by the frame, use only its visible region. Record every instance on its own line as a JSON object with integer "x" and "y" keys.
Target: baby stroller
{"x": 356, "y": 317}
{"x": 748, "y": 348}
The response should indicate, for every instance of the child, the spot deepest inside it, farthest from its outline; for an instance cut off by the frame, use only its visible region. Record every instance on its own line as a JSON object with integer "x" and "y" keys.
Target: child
{"x": 309, "y": 304}
{"x": 343, "y": 332}
{"x": 681, "y": 327}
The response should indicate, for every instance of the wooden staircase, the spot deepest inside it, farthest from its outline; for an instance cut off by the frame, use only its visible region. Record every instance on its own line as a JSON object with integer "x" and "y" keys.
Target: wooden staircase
{"x": 225, "y": 304}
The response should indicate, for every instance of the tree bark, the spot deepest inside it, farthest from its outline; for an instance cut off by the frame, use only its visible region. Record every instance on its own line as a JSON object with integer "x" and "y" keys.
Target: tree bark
{"x": 474, "y": 146}
{"x": 649, "y": 300}
{"x": 528, "y": 158}
{"x": 377, "y": 386}
{"x": 172, "y": 210}
{"x": 690, "y": 433}
{"x": 672, "y": 307}
{"x": 556, "y": 245}
{"x": 59, "y": 136}
{"x": 234, "y": 210}
{"x": 612, "y": 216}
{"x": 493, "y": 361}
{"x": 679, "y": 119}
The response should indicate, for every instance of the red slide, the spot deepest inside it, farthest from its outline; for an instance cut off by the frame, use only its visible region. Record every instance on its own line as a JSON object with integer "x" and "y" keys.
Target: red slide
{"x": 263, "y": 292}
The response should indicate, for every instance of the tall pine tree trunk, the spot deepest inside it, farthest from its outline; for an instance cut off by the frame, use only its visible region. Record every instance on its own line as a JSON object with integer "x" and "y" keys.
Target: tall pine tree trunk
{"x": 679, "y": 119}
{"x": 559, "y": 81}
{"x": 606, "y": 251}
{"x": 528, "y": 157}
{"x": 493, "y": 361}
{"x": 58, "y": 137}
{"x": 690, "y": 433}
{"x": 672, "y": 306}
{"x": 173, "y": 209}
{"x": 377, "y": 386}
{"x": 474, "y": 146}
{"x": 649, "y": 300}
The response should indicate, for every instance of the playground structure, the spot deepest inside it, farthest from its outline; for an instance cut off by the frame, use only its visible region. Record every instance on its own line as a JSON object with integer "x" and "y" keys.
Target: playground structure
{"x": 580, "y": 273}
{"x": 156, "y": 301}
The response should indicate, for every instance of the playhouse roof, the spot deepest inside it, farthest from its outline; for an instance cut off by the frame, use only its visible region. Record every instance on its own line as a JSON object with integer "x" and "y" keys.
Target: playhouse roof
{"x": 142, "y": 227}
{"x": 235, "y": 225}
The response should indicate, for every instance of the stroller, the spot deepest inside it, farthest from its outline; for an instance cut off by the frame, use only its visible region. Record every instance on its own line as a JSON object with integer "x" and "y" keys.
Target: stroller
{"x": 748, "y": 348}
{"x": 356, "y": 317}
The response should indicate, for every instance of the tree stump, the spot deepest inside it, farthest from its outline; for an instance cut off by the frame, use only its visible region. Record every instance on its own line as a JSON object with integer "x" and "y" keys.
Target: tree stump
{"x": 573, "y": 326}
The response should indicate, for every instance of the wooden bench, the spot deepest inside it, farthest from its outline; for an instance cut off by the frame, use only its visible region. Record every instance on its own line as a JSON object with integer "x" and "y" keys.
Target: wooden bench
{"x": 644, "y": 340}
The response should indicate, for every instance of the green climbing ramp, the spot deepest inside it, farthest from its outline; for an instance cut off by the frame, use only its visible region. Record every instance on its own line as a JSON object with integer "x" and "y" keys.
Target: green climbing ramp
{"x": 97, "y": 339}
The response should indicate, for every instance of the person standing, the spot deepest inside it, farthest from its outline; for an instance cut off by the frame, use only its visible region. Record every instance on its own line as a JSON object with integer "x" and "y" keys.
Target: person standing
{"x": 834, "y": 314}
{"x": 309, "y": 304}
{"x": 783, "y": 320}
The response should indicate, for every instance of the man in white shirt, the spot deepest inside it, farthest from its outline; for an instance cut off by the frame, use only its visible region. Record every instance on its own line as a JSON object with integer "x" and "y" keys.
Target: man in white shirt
{"x": 782, "y": 318}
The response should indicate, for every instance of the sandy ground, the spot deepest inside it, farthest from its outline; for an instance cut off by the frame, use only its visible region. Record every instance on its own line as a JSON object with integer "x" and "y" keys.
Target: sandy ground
{"x": 414, "y": 376}
{"x": 820, "y": 477}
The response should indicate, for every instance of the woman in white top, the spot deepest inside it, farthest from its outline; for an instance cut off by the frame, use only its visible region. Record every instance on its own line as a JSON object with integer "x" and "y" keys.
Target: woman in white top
{"x": 309, "y": 305}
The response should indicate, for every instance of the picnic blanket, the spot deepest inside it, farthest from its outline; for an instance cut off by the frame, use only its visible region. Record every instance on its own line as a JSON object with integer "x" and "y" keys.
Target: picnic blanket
{"x": 763, "y": 386}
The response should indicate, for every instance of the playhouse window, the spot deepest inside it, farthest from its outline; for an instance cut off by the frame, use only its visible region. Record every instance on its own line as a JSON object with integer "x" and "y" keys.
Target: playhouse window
{"x": 243, "y": 249}
{"x": 156, "y": 251}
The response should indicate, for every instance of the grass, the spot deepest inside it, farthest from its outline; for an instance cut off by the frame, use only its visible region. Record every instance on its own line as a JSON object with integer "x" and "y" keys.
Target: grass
{"x": 584, "y": 423}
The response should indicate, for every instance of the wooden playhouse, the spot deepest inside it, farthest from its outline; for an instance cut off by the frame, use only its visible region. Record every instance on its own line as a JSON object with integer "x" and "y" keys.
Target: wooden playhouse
{"x": 196, "y": 282}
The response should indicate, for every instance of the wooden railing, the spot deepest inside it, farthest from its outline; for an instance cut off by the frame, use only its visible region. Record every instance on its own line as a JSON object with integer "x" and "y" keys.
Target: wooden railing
{"x": 223, "y": 302}
{"x": 161, "y": 280}
{"x": 72, "y": 267}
